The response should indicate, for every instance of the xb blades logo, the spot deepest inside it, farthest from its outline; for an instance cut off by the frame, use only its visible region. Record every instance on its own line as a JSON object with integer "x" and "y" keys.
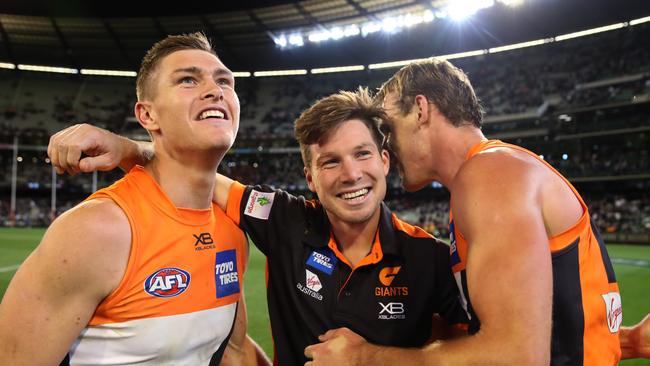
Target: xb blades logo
{"x": 263, "y": 201}
{"x": 387, "y": 275}
{"x": 203, "y": 238}
{"x": 392, "y": 308}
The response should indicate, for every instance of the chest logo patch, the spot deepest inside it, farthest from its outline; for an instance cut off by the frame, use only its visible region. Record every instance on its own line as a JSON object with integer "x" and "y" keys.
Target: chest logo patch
{"x": 614, "y": 310}
{"x": 167, "y": 282}
{"x": 259, "y": 204}
{"x": 225, "y": 273}
{"x": 323, "y": 260}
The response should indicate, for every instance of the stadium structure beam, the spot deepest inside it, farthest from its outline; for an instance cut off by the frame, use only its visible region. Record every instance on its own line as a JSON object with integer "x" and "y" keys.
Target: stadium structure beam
{"x": 365, "y": 12}
{"x": 312, "y": 21}
{"x": 119, "y": 44}
{"x": 224, "y": 44}
{"x": 162, "y": 33}
{"x": 7, "y": 44}
{"x": 68, "y": 50}
{"x": 258, "y": 22}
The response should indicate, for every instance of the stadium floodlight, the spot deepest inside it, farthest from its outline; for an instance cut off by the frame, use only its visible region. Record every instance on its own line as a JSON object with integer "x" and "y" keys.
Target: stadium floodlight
{"x": 511, "y": 3}
{"x": 6, "y": 65}
{"x": 279, "y": 73}
{"x": 281, "y": 40}
{"x": 639, "y": 20}
{"x": 461, "y": 9}
{"x": 519, "y": 45}
{"x": 389, "y": 24}
{"x": 325, "y": 70}
{"x": 295, "y": 39}
{"x": 241, "y": 74}
{"x": 589, "y": 31}
{"x": 108, "y": 72}
{"x": 462, "y": 54}
{"x": 59, "y": 70}
{"x": 370, "y": 27}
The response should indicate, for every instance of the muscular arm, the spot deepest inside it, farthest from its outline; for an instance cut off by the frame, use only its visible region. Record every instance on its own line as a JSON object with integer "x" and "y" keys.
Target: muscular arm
{"x": 106, "y": 151}
{"x": 56, "y": 290}
{"x": 242, "y": 349}
{"x": 635, "y": 340}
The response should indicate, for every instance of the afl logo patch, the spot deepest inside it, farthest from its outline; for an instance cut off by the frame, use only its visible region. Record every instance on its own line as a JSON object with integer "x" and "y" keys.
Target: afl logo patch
{"x": 167, "y": 282}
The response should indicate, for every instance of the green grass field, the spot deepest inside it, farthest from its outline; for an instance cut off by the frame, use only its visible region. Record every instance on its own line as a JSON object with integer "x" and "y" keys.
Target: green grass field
{"x": 16, "y": 244}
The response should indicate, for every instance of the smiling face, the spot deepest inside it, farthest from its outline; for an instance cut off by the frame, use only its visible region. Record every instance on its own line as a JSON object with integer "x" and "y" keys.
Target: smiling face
{"x": 348, "y": 172}
{"x": 194, "y": 105}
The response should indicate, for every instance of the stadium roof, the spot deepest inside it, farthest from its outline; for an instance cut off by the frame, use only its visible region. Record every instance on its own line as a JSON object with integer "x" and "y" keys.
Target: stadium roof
{"x": 115, "y": 34}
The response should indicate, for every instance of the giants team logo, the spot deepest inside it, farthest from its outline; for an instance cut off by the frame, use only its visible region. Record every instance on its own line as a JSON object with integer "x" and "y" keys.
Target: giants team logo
{"x": 386, "y": 277}
{"x": 614, "y": 310}
{"x": 167, "y": 282}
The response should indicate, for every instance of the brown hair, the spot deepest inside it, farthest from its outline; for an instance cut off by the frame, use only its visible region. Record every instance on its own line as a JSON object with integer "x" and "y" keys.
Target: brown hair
{"x": 442, "y": 83}
{"x": 165, "y": 47}
{"x": 317, "y": 122}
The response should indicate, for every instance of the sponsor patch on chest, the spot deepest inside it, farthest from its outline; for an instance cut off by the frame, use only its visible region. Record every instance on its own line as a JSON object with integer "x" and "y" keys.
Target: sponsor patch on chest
{"x": 323, "y": 260}
{"x": 259, "y": 204}
{"x": 167, "y": 282}
{"x": 312, "y": 285}
{"x": 225, "y": 273}
{"x": 614, "y": 310}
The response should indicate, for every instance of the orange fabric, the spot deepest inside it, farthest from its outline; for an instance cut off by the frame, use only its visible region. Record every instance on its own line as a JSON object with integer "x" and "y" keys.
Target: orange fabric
{"x": 164, "y": 236}
{"x": 600, "y": 346}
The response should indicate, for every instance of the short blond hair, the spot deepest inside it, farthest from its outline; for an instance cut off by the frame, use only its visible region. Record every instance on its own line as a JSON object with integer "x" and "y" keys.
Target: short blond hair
{"x": 443, "y": 84}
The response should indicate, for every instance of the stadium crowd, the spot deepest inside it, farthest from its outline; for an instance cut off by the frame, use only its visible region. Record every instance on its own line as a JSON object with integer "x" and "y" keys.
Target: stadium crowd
{"x": 585, "y": 100}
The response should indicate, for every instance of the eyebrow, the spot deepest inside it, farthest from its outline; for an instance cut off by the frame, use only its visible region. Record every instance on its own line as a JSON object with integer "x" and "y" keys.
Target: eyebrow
{"x": 197, "y": 71}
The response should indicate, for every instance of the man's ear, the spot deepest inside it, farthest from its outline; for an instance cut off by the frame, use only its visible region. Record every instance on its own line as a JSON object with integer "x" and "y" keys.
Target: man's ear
{"x": 145, "y": 116}
{"x": 422, "y": 104}
{"x": 309, "y": 178}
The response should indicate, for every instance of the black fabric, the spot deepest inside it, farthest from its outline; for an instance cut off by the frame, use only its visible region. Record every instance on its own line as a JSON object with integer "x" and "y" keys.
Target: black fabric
{"x": 296, "y": 229}
{"x": 567, "y": 346}
{"x": 611, "y": 276}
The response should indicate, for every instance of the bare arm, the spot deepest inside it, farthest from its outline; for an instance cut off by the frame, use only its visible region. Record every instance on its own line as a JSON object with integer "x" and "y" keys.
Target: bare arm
{"x": 242, "y": 349}
{"x": 104, "y": 150}
{"x": 509, "y": 275}
{"x": 635, "y": 340}
{"x": 56, "y": 290}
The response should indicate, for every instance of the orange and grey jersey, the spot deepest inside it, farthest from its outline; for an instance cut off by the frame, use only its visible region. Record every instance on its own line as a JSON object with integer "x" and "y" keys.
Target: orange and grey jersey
{"x": 587, "y": 309}
{"x": 389, "y": 297}
{"x": 177, "y": 300}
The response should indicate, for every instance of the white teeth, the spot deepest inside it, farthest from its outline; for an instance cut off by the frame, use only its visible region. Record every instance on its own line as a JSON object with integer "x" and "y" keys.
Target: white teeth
{"x": 211, "y": 113}
{"x": 351, "y": 195}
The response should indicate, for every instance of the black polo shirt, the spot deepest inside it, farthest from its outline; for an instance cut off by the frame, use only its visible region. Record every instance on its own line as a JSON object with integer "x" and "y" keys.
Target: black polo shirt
{"x": 390, "y": 298}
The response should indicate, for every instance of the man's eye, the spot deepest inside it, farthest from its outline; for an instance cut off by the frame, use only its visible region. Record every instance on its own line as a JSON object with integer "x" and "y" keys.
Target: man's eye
{"x": 329, "y": 164}
{"x": 187, "y": 80}
{"x": 224, "y": 81}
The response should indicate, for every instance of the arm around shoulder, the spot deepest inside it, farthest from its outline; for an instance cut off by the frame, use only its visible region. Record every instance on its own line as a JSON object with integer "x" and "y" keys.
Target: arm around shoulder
{"x": 54, "y": 293}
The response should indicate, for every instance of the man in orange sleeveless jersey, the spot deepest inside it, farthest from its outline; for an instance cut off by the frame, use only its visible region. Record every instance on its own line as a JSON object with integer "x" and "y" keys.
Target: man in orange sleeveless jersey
{"x": 342, "y": 260}
{"x": 534, "y": 275}
{"x": 147, "y": 271}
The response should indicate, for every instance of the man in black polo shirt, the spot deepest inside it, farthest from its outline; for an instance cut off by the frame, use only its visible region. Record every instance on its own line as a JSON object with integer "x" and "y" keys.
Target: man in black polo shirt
{"x": 343, "y": 260}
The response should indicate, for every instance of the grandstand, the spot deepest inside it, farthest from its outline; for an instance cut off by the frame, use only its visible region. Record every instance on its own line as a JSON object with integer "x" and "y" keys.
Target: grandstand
{"x": 582, "y": 103}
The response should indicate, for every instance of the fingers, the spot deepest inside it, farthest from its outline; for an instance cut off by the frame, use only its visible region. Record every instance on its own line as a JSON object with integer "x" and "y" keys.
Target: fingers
{"x": 66, "y": 147}
{"x": 309, "y": 351}
{"x": 90, "y": 164}
{"x": 333, "y": 333}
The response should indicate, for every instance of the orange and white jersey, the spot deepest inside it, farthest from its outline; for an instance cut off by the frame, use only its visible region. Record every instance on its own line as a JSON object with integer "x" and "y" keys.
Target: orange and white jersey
{"x": 177, "y": 300}
{"x": 587, "y": 310}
